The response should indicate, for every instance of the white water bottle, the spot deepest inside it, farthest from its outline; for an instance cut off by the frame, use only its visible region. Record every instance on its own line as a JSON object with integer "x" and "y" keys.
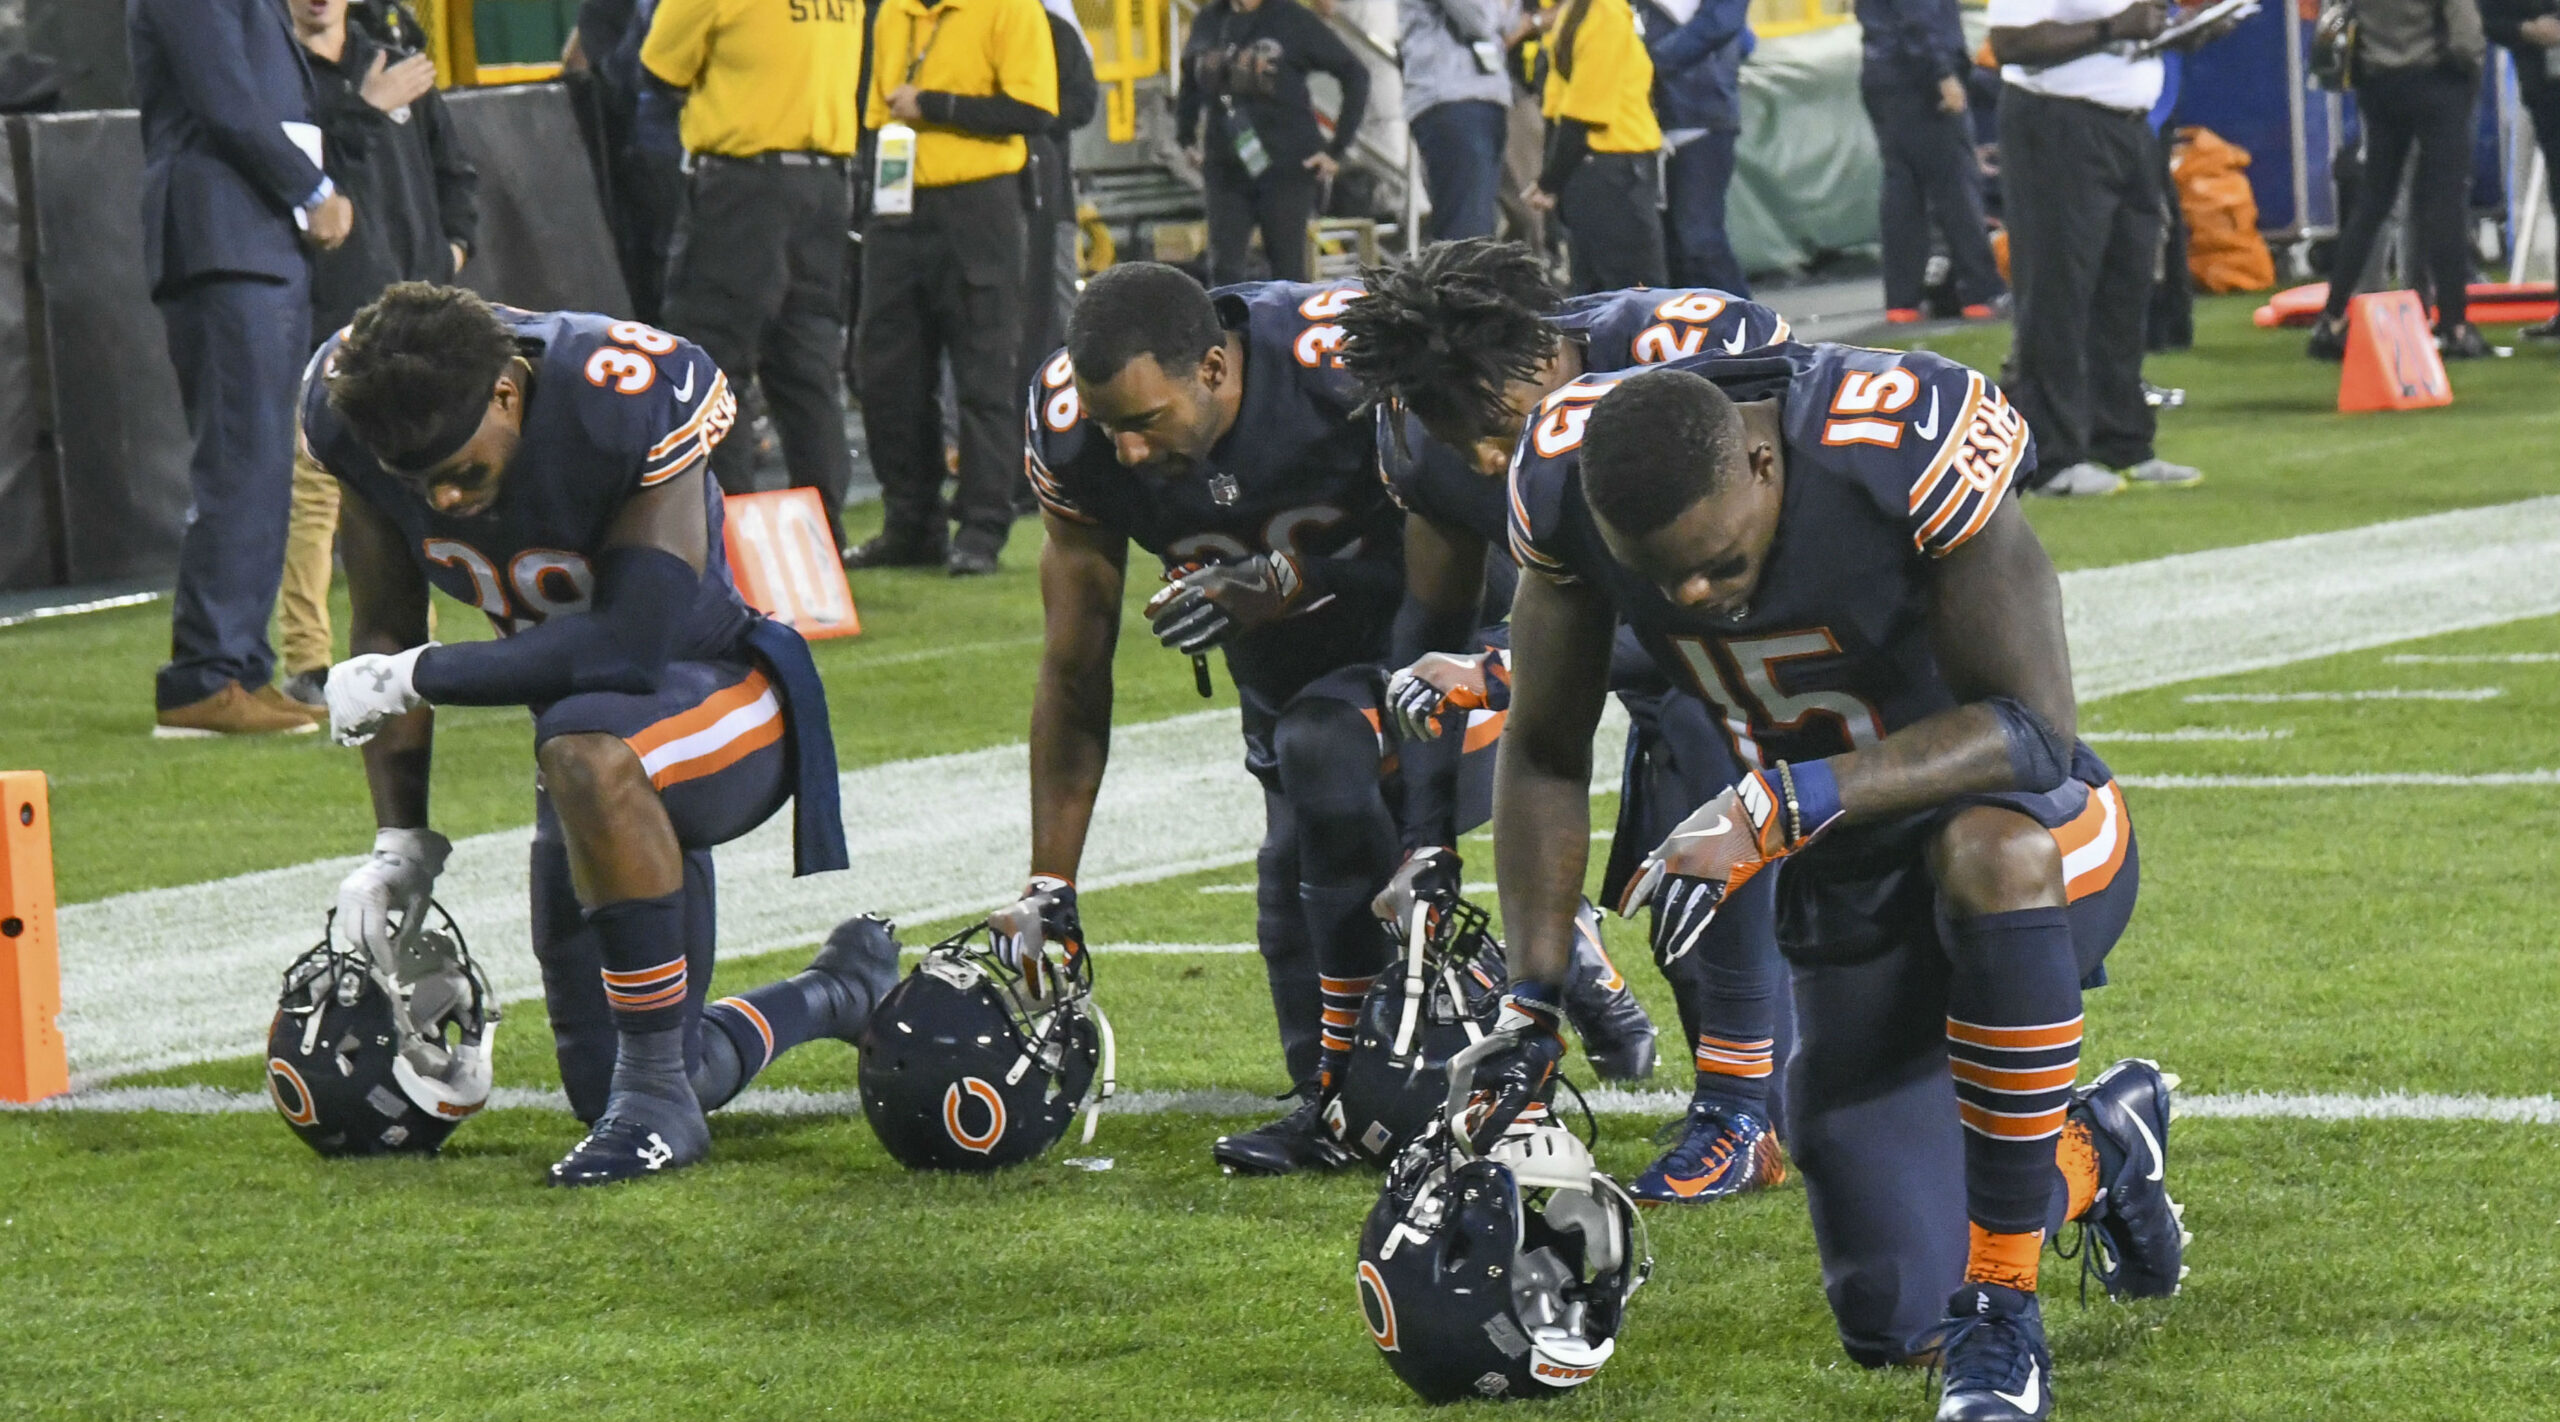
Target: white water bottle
{"x": 893, "y": 171}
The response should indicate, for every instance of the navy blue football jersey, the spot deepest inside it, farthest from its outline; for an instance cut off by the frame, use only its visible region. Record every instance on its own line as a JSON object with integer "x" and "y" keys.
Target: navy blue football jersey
{"x": 1297, "y": 474}
{"x": 1617, "y": 330}
{"x": 1892, "y": 459}
{"x": 617, "y": 407}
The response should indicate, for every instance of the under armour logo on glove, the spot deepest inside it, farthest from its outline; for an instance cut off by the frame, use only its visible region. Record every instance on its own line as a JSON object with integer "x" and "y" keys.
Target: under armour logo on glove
{"x": 366, "y": 692}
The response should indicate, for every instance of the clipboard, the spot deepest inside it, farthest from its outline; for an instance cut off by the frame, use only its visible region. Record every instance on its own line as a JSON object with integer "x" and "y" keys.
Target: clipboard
{"x": 2195, "y": 22}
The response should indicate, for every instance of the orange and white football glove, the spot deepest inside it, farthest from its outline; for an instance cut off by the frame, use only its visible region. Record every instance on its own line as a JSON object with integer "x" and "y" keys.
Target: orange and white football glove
{"x": 1766, "y": 816}
{"x": 1441, "y": 683}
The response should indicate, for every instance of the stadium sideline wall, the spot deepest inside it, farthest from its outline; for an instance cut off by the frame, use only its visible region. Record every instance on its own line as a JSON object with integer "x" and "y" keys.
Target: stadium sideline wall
{"x": 93, "y": 444}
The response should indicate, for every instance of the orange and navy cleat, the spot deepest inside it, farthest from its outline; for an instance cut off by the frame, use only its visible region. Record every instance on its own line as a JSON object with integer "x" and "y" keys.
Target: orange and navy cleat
{"x": 1902, "y": 315}
{"x": 2134, "y": 1235}
{"x": 1722, "y": 1152}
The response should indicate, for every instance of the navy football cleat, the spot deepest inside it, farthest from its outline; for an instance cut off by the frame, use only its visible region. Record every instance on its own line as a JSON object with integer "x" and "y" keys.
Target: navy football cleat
{"x": 1301, "y": 1140}
{"x": 1992, "y": 1358}
{"x": 639, "y": 1136}
{"x": 1721, "y": 1153}
{"x": 2133, "y": 1232}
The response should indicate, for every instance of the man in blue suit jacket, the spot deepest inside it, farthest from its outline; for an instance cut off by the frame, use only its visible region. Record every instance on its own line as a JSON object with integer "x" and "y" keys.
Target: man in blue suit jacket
{"x": 224, "y": 187}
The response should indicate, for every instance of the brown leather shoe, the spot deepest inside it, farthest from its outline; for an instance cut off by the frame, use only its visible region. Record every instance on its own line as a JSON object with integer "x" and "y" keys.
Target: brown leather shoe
{"x": 273, "y": 695}
{"x": 230, "y": 712}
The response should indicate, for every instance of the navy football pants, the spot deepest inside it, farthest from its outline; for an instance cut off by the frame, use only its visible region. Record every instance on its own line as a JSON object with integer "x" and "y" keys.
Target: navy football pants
{"x": 713, "y": 738}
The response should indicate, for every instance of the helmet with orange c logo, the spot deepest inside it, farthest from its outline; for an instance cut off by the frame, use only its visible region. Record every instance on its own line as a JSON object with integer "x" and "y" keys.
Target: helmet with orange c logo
{"x": 976, "y": 1061}
{"x": 367, "y": 1058}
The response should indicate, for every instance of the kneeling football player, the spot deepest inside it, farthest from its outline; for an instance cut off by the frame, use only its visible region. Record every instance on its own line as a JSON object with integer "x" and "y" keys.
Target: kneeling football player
{"x": 552, "y": 469}
{"x": 1821, "y": 543}
{"x": 1459, "y": 345}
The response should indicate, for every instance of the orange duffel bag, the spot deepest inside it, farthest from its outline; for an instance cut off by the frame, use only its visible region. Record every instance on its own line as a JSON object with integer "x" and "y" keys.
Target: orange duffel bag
{"x": 2224, "y": 250}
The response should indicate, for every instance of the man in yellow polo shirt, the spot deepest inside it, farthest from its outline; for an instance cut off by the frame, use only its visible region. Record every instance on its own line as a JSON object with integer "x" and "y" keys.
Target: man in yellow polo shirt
{"x": 944, "y": 279}
{"x": 756, "y": 276}
{"x": 1604, "y": 151}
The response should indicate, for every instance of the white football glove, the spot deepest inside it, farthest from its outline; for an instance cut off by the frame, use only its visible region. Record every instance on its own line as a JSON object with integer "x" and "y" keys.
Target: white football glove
{"x": 397, "y": 877}
{"x": 366, "y": 691}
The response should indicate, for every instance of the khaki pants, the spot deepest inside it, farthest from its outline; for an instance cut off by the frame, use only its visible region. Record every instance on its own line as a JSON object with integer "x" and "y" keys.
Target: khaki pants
{"x": 302, "y": 604}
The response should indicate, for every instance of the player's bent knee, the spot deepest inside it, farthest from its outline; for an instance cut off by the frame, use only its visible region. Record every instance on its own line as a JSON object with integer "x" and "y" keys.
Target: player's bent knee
{"x": 589, "y": 768}
{"x": 1990, "y": 860}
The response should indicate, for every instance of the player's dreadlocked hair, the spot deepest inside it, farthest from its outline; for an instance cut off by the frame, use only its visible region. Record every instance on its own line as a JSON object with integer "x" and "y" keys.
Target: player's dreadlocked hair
{"x": 1141, "y": 308}
{"x": 1446, "y": 331}
{"x": 1658, "y": 442}
{"x": 416, "y": 360}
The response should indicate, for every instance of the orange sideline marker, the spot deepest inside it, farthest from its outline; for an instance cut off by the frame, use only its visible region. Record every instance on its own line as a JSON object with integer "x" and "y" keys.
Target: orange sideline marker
{"x": 2392, "y": 362}
{"x": 33, "y": 1064}
{"x": 785, "y": 562}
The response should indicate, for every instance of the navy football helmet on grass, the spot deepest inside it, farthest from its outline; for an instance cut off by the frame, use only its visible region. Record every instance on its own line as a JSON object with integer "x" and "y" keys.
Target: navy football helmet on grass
{"x": 375, "y": 1059}
{"x": 1443, "y": 997}
{"x": 982, "y": 1056}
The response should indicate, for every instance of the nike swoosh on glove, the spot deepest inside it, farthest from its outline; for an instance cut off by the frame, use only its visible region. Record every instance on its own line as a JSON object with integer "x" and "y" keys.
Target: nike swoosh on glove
{"x": 1436, "y": 685}
{"x": 1518, "y": 1073}
{"x": 1427, "y": 876}
{"x": 397, "y": 877}
{"x": 1766, "y": 816}
{"x": 367, "y": 691}
{"x": 1205, "y": 607}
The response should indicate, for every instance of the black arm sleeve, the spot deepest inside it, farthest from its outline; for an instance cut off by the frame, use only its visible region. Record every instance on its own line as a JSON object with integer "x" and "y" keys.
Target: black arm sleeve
{"x": 983, "y": 113}
{"x": 1326, "y": 51}
{"x": 1079, "y": 97}
{"x": 621, "y": 644}
{"x": 1568, "y": 143}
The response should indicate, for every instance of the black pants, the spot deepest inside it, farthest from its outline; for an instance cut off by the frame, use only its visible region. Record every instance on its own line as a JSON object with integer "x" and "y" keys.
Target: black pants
{"x": 756, "y": 279}
{"x": 1930, "y": 182}
{"x": 1611, "y": 210}
{"x": 945, "y": 283}
{"x": 239, "y": 344}
{"x": 2541, "y": 98}
{"x": 2083, "y": 189}
{"x": 2428, "y": 110}
{"x": 1280, "y": 203}
{"x": 1695, "y": 178}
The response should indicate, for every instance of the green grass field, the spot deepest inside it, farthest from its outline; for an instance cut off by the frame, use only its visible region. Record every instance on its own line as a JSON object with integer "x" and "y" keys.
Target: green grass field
{"x": 2353, "y": 941}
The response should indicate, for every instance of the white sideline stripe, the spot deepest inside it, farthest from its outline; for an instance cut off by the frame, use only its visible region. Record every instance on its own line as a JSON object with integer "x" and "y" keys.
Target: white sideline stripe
{"x": 162, "y": 977}
{"x": 2385, "y": 693}
{"x": 793, "y": 1101}
{"x": 74, "y": 609}
{"x": 2472, "y": 659}
{"x": 2492, "y": 780}
{"x": 2186, "y": 733}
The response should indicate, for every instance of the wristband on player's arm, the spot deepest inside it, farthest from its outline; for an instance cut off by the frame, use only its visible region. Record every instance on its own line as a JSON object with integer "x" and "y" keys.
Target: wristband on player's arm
{"x": 2039, "y": 755}
{"x": 621, "y": 644}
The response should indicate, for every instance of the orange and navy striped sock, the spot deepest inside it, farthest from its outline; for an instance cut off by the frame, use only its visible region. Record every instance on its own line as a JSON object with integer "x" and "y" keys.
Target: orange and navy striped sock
{"x": 1342, "y": 999}
{"x": 2013, "y": 1044}
{"x": 1734, "y": 1071}
{"x": 642, "y": 944}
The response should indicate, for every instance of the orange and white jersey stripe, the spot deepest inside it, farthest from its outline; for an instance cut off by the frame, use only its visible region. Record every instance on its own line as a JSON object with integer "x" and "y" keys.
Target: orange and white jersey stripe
{"x": 727, "y": 727}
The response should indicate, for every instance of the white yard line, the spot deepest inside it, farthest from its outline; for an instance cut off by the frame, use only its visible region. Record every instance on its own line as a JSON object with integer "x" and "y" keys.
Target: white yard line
{"x": 2384, "y": 693}
{"x": 2472, "y": 659}
{"x": 168, "y": 976}
{"x": 2185, "y": 734}
{"x": 2493, "y": 780}
{"x": 74, "y": 609}
{"x": 793, "y": 1101}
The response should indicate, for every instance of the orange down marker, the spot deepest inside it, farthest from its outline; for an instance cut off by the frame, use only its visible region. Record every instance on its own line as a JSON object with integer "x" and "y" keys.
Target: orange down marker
{"x": 785, "y": 562}
{"x": 33, "y": 1064}
{"x": 2392, "y": 362}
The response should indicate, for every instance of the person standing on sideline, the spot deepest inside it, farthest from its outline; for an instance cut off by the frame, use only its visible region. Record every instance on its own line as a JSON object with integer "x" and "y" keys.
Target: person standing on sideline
{"x": 1602, "y": 174}
{"x": 388, "y": 144}
{"x": 973, "y": 78}
{"x": 2530, "y": 29}
{"x": 756, "y": 272}
{"x": 1049, "y": 205}
{"x": 224, "y": 91}
{"x": 2417, "y": 84}
{"x": 1250, "y": 126}
{"x": 2080, "y": 179}
{"x": 1912, "y": 80}
{"x": 1457, "y": 97}
{"x": 1697, "y": 47}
